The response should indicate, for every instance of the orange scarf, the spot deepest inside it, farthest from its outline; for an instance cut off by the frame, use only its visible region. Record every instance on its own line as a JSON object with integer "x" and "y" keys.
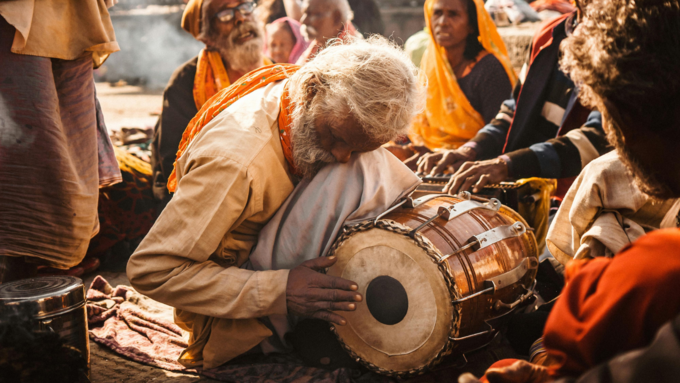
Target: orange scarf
{"x": 247, "y": 84}
{"x": 211, "y": 76}
{"x": 449, "y": 120}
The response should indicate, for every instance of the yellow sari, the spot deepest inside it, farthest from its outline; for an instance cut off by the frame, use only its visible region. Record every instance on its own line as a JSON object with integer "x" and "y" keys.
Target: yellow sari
{"x": 449, "y": 120}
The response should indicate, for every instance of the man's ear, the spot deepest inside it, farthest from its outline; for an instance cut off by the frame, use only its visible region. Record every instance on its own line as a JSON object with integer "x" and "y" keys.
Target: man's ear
{"x": 337, "y": 17}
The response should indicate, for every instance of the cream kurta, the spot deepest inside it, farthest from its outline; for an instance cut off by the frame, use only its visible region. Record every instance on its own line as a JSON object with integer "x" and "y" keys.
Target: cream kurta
{"x": 231, "y": 180}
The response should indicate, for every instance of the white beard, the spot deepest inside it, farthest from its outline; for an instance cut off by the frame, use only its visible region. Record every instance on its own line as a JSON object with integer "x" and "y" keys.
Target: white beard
{"x": 308, "y": 154}
{"x": 242, "y": 57}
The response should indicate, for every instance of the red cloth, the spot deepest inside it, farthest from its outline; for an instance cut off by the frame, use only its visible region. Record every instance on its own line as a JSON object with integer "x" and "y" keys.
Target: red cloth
{"x": 610, "y": 306}
{"x": 499, "y": 364}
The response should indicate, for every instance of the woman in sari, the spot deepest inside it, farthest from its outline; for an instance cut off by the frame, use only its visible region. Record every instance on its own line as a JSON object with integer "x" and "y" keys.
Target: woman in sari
{"x": 468, "y": 75}
{"x": 283, "y": 41}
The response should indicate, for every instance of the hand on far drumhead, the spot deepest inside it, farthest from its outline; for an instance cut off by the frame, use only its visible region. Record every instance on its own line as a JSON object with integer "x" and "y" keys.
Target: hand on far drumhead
{"x": 439, "y": 162}
{"x": 312, "y": 294}
{"x": 419, "y": 151}
{"x": 476, "y": 175}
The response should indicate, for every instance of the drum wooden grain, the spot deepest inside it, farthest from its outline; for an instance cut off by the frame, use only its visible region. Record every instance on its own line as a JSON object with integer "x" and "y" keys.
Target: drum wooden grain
{"x": 430, "y": 325}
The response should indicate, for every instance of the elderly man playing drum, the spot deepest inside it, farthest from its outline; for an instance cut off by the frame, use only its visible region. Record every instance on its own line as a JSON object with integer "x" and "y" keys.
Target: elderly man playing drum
{"x": 239, "y": 160}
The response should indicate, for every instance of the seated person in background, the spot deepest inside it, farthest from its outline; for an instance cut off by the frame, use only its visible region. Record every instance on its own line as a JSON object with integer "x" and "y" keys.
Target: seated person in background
{"x": 323, "y": 20}
{"x": 234, "y": 43}
{"x": 238, "y": 164}
{"x": 603, "y": 211}
{"x": 543, "y": 131}
{"x": 284, "y": 42}
{"x": 625, "y": 66}
{"x": 468, "y": 75}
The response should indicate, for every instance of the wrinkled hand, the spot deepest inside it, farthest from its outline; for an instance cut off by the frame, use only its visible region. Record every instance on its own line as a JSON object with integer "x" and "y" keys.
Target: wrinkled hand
{"x": 312, "y": 294}
{"x": 419, "y": 151}
{"x": 477, "y": 174}
{"x": 438, "y": 162}
{"x": 519, "y": 372}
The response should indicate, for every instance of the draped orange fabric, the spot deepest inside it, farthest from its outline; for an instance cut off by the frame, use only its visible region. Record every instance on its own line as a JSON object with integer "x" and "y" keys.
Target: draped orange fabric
{"x": 449, "y": 120}
{"x": 211, "y": 76}
{"x": 613, "y": 305}
{"x": 226, "y": 97}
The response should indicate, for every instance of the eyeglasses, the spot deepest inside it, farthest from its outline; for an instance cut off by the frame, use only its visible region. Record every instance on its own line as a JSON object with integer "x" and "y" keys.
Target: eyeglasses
{"x": 226, "y": 15}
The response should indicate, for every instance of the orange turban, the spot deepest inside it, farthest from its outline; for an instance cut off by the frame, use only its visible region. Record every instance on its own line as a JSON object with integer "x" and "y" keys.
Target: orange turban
{"x": 191, "y": 18}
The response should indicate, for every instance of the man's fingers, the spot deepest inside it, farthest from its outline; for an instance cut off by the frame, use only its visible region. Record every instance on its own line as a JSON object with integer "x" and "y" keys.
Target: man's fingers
{"x": 330, "y": 317}
{"x": 444, "y": 163}
{"x": 324, "y": 281}
{"x": 334, "y": 295}
{"x": 335, "y": 306}
{"x": 484, "y": 180}
{"x": 457, "y": 165}
{"x": 469, "y": 181}
{"x": 320, "y": 263}
{"x": 412, "y": 162}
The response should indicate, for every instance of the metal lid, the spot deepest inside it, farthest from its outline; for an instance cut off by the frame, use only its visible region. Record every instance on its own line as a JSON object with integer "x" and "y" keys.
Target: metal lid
{"x": 45, "y": 296}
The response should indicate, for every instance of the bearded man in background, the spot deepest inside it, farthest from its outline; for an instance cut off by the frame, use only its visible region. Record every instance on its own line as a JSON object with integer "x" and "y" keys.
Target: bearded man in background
{"x": 233, "y": 41}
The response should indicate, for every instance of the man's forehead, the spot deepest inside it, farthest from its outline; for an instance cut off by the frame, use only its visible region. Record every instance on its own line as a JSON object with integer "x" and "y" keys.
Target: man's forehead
{"x": 217, "y": 5}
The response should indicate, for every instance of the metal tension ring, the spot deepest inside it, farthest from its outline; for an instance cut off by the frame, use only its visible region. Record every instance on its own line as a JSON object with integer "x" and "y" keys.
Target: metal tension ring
{"x": 489, "y": 237}
{"x": 506, "y": 279}
{"x": 460, "y": 208}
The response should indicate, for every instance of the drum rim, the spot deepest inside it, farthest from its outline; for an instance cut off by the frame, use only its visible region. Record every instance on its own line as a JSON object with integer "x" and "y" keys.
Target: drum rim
{"x": 432, "y": 251}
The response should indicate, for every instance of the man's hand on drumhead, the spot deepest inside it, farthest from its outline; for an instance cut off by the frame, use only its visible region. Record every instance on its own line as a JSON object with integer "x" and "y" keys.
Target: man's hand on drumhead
{"x": 476, "y": 175}
{"x": 439, "y": 162}
{"x": 312, "y": 294}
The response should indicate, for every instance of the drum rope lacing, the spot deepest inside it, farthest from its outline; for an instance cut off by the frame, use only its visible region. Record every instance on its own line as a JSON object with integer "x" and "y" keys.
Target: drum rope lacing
{"x": 432, "y": 252}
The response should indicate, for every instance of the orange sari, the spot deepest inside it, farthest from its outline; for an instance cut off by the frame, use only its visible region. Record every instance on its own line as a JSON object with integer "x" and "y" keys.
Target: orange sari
{"x": 226, "y": 97}
{"x": 449, "y": 120}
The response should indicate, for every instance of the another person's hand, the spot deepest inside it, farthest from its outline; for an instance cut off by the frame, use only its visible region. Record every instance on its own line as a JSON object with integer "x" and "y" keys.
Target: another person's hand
{"x": 419, "y": 151}
{"x": 477, "y": 175}
{"x": 519, "y": 372}
{"x": 312, "y": 294}
{"x": 439, "y": 162}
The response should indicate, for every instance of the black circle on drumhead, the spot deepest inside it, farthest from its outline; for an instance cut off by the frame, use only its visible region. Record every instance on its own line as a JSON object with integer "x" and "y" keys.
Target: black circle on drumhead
{"x": 387, "y": 300}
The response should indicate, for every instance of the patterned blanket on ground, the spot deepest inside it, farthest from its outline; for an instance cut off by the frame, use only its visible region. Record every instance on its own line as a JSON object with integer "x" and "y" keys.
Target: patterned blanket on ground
{"x": 142, "y": 329}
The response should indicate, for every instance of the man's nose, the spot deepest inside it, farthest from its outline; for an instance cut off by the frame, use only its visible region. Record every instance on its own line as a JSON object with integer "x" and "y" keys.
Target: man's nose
{"x": 342, "y": 154}
{"x": 239, "y": 18}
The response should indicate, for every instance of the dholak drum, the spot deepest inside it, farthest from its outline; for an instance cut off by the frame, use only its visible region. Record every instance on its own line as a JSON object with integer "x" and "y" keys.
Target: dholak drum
{"x": 439, "y": 275}
{"x": 55, "y": 303}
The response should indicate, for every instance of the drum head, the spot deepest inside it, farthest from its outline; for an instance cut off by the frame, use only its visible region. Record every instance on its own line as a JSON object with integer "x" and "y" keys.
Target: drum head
{"x": 406, "y": 316}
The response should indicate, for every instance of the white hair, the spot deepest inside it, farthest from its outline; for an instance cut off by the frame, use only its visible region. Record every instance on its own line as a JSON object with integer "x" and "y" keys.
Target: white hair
{"x": 372, "y": 79}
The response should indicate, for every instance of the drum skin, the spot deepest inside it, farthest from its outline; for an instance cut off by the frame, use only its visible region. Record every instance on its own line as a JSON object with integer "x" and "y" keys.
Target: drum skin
{"x": 425, "y": 333}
